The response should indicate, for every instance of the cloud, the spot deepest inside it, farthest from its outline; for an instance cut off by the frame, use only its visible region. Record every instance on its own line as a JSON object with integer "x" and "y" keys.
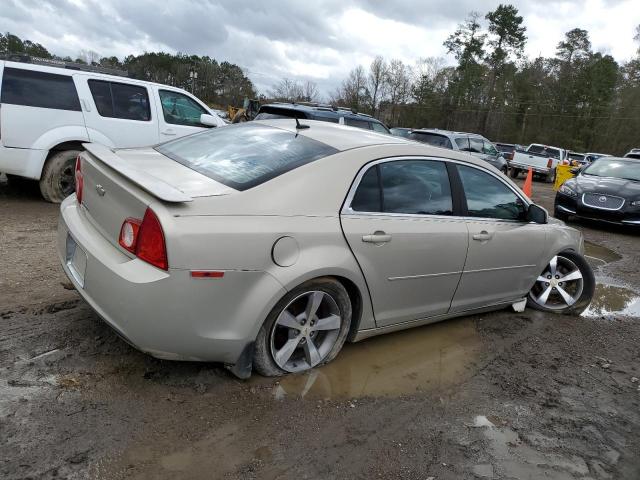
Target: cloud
{"x": 320, "y": 40}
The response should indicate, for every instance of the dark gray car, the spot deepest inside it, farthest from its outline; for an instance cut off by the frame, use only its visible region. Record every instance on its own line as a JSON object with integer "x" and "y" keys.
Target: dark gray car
{"x": 475, "y": 144}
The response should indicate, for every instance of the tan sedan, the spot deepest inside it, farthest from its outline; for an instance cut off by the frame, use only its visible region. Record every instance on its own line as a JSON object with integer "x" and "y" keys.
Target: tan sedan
{"x": 266, "y": 245}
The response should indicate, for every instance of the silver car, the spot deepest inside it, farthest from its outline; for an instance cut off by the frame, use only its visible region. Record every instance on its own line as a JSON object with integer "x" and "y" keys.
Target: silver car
{"x": 267, "y": 244}
{"x": 472, "y": 143}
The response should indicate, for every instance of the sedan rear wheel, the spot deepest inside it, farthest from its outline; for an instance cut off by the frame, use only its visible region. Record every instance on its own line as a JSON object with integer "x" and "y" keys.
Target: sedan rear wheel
{"x": 307, "y": 328}
{"x": 565, "y": 286}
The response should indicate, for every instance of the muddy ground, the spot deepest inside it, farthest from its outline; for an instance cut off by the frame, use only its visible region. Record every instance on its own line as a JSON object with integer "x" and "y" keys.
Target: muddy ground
{"x": 500, "y": 395}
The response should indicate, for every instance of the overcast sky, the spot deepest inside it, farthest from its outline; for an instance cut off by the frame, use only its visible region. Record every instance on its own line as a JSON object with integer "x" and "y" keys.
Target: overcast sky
{"x": 320, "y": 40}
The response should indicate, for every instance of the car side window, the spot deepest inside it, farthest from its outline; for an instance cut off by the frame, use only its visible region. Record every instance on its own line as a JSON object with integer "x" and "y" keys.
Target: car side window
{"x": 488, "y": 197}
{"x": 416, "y": 187}
{"x": 475, "y": 145}
{"x": 368, "y": 196}
{"x": 32, "y": 88}
{"x": 378, "y": 127}
{"x": 489, "y": 149}
{"x": 463, "y": 143}
{"x": 354, "y": 122}
{"x": 120, "y": 100}
{"x": 179, "y": 109}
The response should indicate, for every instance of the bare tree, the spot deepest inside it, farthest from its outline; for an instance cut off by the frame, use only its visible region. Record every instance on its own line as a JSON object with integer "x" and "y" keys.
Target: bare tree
{"x": 311, "y": 92}
{"x": 288, "y": 90}
{"x": 353, "y": 90}
{"x": 399, "y": 81}
{"x": 377, "y": 82}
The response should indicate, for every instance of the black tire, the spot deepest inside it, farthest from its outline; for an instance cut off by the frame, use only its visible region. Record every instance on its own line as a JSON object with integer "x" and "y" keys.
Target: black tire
{"x": 588, "y": 287}
{"x": 57, "y": 181}
{"x": 263, "y": 361}
{"x": 514, "y": 172}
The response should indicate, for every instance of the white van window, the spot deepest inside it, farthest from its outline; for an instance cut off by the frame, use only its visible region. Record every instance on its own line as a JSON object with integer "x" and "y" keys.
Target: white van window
{"x": 120, "y": 100}
{"x": 180, "y": 109}
{"x": 39, "y": 89}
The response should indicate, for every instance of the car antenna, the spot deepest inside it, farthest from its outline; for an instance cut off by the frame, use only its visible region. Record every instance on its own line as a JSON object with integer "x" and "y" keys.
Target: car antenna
{"x": 300, "y": 126}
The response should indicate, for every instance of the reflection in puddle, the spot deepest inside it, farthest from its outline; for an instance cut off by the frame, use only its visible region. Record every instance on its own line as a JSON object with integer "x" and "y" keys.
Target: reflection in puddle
{"x": 597, "y": 255}
{"x": 424, "y": 358}
{"x": 612, "y": 300}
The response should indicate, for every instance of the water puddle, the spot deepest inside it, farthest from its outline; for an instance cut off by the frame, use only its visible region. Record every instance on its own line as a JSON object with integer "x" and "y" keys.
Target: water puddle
{"x": 597, "y": 255}
{"x": 420, "y": 359}
{"x": 515, "y": 459}
{"x": 609, "y": 300}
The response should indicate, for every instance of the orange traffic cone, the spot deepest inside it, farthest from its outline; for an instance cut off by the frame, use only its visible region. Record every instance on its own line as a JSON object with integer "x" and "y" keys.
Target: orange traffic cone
{"x": 527, "y": 183}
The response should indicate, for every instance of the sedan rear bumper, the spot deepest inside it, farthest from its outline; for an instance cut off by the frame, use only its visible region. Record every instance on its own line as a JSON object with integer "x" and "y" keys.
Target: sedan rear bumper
{"x": 169, "y": 315}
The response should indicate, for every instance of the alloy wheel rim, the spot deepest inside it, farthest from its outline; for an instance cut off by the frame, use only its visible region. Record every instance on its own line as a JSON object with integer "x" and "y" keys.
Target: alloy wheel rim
{"x": 560, "y": 285}
{"x": 305, "y": 331}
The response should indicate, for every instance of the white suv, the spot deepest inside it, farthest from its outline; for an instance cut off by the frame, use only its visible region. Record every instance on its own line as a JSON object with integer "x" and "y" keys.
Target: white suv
{"x": 48, "y": 112}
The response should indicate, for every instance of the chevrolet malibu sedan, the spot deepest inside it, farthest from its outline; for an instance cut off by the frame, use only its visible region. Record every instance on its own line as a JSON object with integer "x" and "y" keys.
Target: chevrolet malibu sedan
{"x": 267, "y": 245}
{"x": 607, "y": 190}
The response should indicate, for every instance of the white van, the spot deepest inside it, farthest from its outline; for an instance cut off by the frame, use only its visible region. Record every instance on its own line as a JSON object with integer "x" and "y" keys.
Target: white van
{"x": 47, "y": 112}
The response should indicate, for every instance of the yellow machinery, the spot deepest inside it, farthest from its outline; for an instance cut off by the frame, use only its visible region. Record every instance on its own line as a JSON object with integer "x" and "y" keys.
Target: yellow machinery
{"x": 248, "y": 111}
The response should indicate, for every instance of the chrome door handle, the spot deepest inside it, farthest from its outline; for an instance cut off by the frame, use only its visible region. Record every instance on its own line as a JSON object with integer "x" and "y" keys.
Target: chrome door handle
{"x": 483, "y": 236}
{"x": 377, "y": 237}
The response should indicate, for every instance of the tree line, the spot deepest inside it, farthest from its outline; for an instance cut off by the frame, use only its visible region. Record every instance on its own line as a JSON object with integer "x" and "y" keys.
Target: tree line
{"x": 578, "y": 99}
{"x": 217, "y": 83}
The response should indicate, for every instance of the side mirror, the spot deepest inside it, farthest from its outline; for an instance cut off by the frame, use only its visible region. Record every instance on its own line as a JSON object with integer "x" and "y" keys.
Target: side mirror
{"x": 208, "y": 120}
{"x": 537, "y": 214}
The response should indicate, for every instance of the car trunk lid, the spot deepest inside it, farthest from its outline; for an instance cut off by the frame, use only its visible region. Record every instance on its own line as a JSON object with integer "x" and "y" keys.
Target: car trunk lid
{"x": 123, "y": 183}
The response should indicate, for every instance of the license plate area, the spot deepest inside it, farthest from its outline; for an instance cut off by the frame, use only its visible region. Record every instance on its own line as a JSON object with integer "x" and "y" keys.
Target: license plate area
{"x": 76, "y": 260}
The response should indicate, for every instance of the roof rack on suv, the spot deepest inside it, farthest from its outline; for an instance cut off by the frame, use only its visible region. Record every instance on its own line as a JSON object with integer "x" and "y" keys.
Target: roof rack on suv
{"x": 50, "y": 62}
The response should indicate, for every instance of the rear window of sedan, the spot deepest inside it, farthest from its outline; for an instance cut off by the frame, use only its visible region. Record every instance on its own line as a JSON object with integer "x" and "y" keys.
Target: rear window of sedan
{"x": 243, "y": 156}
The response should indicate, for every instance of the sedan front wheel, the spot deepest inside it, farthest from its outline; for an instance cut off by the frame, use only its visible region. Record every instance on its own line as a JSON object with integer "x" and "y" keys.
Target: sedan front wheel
{"x": 565, "y": 286}
{"x": 307, "y": 328}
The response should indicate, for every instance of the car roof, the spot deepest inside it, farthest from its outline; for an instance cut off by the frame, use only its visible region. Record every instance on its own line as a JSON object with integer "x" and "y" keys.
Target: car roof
{"x": 321, "y": 110}
{"x": 340, "y": 137}
{"x": 449, "y": 133}
{"x": 61, "y": 70}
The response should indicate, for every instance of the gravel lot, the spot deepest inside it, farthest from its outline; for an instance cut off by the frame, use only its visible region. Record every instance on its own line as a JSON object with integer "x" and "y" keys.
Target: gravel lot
{"x": 500, "y": 395}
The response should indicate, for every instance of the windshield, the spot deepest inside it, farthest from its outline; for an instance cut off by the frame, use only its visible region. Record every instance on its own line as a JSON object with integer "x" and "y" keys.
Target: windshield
{"x": 244, "y": 155}
{"x": 542, "y": 150}
{"x": 603, "y": 167}
{"x": 576, "y": 156}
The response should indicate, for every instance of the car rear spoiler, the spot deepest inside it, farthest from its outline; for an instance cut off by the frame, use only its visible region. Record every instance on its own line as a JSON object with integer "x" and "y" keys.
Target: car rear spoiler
{"x": 156, "y": 187}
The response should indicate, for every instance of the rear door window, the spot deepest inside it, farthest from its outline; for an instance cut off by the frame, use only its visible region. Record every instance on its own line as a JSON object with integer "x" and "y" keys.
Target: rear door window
{"x": 355, "y": 122}
{"x": 120, "y": 100}
{"x": 463, "y": 143}
{"x": 475, "y": 145}
{"x": 416, "y": 187}
{"x": 39, "y": 89}
{"x": 245, "y": 155}
{"x": 378, "y": 127}
{"x": 434, "y": 139}
{"x": 178, "y": 109}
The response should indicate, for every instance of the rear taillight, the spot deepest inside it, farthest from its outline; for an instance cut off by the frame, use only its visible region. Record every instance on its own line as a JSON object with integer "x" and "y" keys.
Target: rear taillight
{"x": 549, "y": 163}
{"x": 145, "y": 239}
{"x": 129, "y": 234}
{"x": 79, "y": 179}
